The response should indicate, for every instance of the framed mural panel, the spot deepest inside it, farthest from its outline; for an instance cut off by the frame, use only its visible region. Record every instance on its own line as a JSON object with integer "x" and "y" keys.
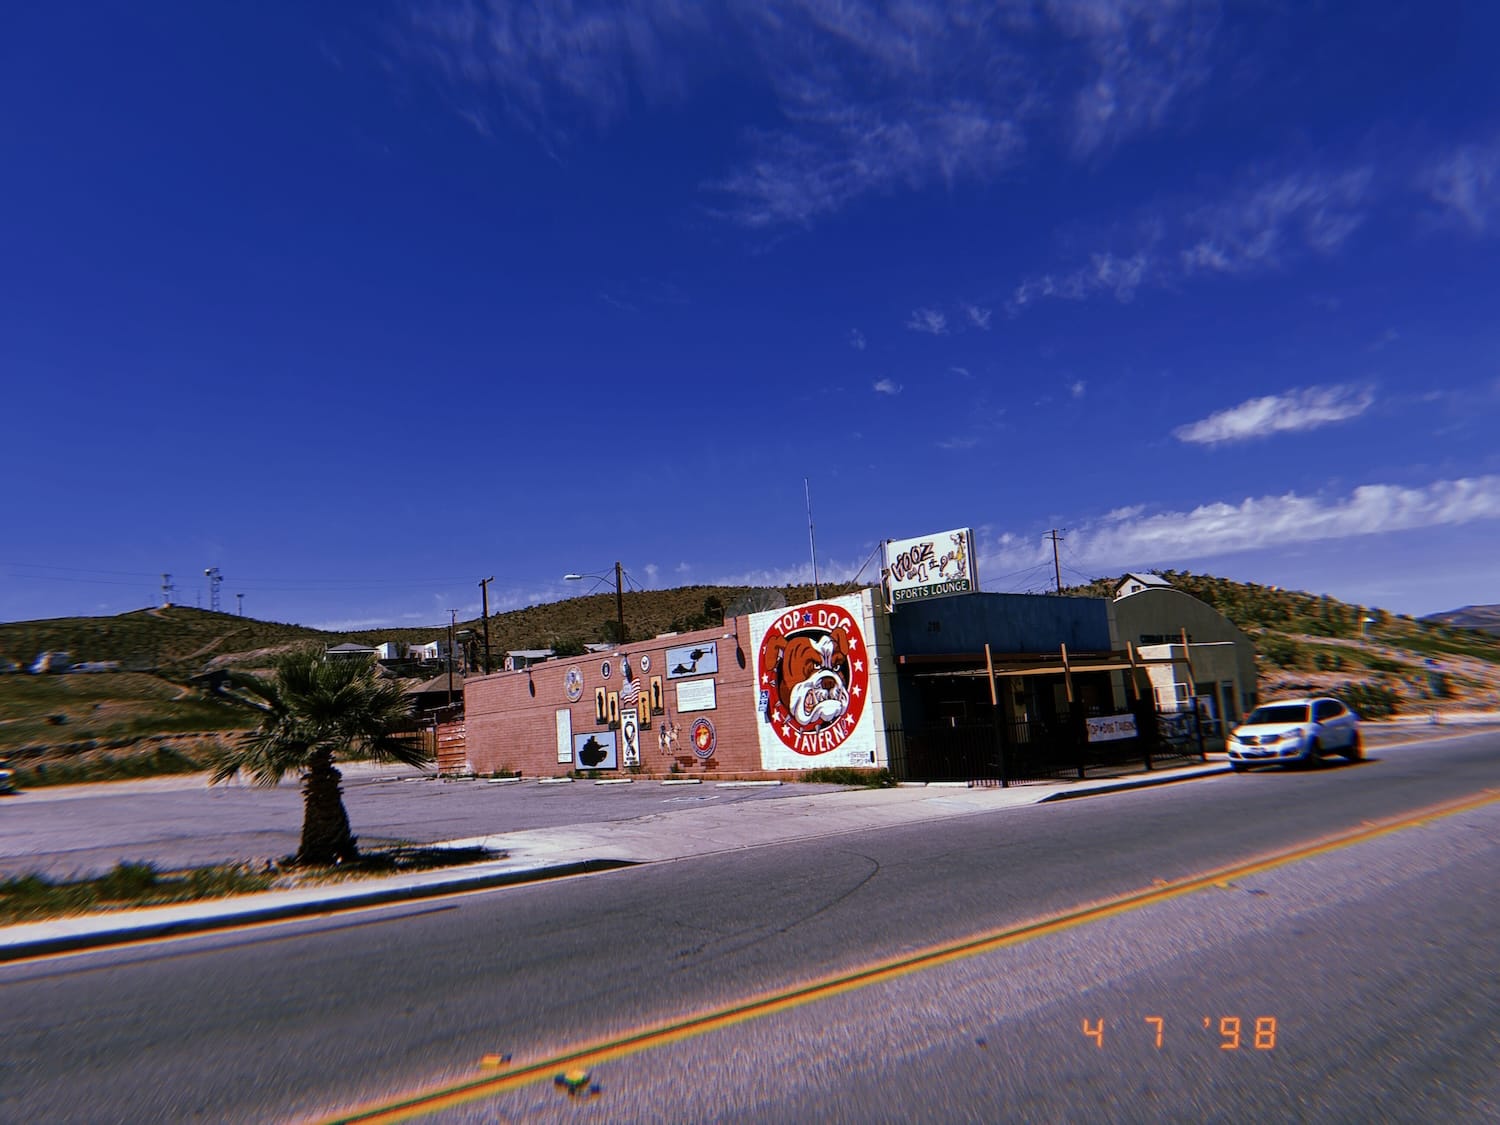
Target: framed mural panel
{"x": 693, "y": 660}
{"x": 564, "y": 736}
{"x": 597, "y": 750}
{"x": 630, "y": 738}
{"x": 658, "y": 699}
{"x": 613, "y": 712}
{"x": 601, "y": 706}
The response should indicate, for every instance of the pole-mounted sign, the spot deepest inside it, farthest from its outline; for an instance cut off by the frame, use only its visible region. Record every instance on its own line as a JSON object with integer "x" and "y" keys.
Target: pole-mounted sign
{"x": 933, "y": 566}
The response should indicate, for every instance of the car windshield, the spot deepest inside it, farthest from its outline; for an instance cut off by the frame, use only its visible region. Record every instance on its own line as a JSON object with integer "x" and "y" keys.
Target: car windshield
{"x": 1279, "y": 713}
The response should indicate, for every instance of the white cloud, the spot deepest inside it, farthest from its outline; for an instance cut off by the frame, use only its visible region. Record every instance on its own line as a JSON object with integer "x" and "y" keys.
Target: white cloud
{"x": 1264, "y": 225}
{"x": 961, "y": 371}
{"x": 1126, "y": 538}
{"x": 857, "y": 340}
{"x": 1303, "y": 409}
{"x": 1077, "y": 388}
{"x": 1105, "y": 273}
{"x": 1260, "y": 226}
{"x": 930, "y": 321}
{"x": 870, "y": 96}
{"x": 958, "y": 443}
{"x": 978, "y": 317}
{"x": 1466, "y": 184}
{"x": 887, "y": 387}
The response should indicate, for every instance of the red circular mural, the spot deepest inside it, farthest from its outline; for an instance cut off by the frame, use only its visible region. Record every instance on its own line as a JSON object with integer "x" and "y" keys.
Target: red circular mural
{"x": 814, "y": 674}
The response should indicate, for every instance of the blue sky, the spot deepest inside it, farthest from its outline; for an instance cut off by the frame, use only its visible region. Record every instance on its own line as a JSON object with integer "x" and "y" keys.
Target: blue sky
{"x": 362, "y": 303}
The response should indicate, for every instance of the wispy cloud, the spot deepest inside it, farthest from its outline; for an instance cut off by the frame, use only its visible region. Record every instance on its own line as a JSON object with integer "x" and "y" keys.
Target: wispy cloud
{"x": 931, "y": 321}
{"x": 958, "y": 443}
{"x": 1306, "y": 408}
{"x": 857, "y": 340}
{"x": 1077, "y": 388}
{"x": 1266, "y": 224}
{"x": 870, "y": 96}
{"x": 962, "y": 372}
{"x": 978, "y": 317}
{"x": 1105, "y": 273}
{"x": 1127, "y": 537}
{"x": 887, "y": 387}
{"x": 1466, "y": 185}
{"x": 1259, "y": 227}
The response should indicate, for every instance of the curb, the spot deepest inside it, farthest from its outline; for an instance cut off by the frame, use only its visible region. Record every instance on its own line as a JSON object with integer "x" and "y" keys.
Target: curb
{"x": 1134, "y": 783}
{"x": 376, "y": 896}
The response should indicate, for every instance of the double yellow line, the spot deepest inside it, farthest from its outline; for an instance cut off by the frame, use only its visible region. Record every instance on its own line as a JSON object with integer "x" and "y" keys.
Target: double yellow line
{"x": 410, "y": 1106}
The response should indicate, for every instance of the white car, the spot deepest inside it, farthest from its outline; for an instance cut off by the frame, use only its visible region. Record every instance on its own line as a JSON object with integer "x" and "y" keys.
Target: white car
{"x": 1295, "y": 730}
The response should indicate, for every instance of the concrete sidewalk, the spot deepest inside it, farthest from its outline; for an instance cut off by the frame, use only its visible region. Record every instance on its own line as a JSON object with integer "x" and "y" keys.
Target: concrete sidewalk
{"x": 550, "y": 852}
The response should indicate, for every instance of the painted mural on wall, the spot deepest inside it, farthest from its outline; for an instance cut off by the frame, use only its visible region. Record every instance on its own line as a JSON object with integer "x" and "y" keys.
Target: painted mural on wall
{"x": 813, "y": 675}
{"x": 693, "y": 660}
{"x": 596, "y": 751}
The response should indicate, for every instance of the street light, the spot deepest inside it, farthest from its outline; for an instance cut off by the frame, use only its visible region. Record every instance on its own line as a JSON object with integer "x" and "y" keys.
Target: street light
{"x": 619, "y": 594}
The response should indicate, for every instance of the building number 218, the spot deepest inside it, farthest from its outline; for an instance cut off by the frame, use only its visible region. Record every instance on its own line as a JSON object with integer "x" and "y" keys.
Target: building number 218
{"x": 1233, "y": 1034}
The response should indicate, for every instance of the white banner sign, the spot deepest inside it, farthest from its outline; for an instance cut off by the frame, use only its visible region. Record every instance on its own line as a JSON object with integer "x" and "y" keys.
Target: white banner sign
{"x": 1111, "y": 727}
{"x": 564, "y": 737}
{"x": 933, "y": 566}
{"x": 697, "y": 695}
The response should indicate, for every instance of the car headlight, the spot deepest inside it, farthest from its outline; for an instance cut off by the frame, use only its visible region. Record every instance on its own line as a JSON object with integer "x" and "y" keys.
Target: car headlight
{"x": 1291, "y": 736}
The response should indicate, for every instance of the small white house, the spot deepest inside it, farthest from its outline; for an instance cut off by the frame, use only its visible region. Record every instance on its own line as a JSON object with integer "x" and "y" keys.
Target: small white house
{"x": 1134, "y": 583}
{"x": 349, "y": 651}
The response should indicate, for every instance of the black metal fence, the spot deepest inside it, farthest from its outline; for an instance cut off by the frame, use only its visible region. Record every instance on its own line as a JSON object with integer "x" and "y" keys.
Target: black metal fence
{"x": 1002, "y": 752}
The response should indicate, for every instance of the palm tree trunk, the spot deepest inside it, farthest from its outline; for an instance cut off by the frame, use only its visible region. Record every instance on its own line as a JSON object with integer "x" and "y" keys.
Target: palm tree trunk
{"x": 326, "y": 838}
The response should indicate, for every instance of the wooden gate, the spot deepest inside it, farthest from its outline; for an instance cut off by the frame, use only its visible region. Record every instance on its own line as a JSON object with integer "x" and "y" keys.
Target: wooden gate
{"x": 452, "y": 748}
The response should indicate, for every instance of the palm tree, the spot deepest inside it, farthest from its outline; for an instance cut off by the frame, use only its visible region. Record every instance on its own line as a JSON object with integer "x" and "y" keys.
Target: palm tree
{"x": 310, "y": 711}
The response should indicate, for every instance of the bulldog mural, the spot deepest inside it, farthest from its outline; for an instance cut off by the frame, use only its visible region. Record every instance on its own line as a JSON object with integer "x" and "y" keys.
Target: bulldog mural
{"x": 813, "y": 672}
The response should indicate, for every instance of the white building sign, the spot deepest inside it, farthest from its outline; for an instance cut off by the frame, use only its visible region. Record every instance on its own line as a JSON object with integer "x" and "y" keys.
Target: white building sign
{"x": 933, "y": 566}
{"x": 1109, "y": 728}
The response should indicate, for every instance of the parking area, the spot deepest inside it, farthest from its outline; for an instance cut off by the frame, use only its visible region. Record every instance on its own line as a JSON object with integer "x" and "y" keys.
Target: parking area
{"x": 181, "y": 822}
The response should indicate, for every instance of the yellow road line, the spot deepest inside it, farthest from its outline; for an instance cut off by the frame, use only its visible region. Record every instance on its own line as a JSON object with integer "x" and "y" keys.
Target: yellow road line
{"x": 410, "y": 1106}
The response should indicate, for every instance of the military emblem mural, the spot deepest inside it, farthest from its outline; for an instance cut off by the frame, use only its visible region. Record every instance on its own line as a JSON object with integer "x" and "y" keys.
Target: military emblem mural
{"x": 813, "y": 677}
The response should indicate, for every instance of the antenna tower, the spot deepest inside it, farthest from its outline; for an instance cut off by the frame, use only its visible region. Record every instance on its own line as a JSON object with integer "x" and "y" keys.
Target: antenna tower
{"x": 167, "y": 590}
{"x": 215, "y": 580}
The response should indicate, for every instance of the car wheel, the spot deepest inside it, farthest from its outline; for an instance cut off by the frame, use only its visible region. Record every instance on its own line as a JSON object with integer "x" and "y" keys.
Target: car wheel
{"x": 1356, "y": 749}
{"x": 1313, "y": 754}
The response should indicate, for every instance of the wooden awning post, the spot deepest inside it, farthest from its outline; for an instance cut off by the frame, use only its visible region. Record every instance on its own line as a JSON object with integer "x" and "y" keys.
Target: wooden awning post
{"x": 1135, "y": 688}
{"x": 989, "y": 664}
{"x": 1187, "y": 658}
{"x": 1067, "y": 675}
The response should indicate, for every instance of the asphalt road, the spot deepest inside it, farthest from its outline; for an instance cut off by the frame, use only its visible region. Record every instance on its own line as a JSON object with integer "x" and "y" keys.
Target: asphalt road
{"x": 1375, "y": 960}
{"x": 184, "y": 822}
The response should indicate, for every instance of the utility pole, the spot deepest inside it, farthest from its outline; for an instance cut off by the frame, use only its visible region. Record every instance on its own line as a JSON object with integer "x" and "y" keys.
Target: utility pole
{"x": 1056, "y": 565}
{"x": 484, "y": 593}
{"x": 620, "y": 599}
{"x": 452, "y": 621}
{"x": 215, "y": 579}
